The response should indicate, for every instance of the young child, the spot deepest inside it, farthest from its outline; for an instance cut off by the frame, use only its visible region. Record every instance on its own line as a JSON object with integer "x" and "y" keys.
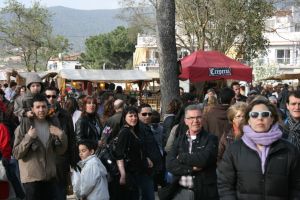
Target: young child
{"x": 91, "y": 182}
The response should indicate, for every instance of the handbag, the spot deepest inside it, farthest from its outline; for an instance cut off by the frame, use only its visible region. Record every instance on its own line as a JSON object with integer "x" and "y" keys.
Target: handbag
{"x": 108, "y": 159}
{"x": 106, "y": 155}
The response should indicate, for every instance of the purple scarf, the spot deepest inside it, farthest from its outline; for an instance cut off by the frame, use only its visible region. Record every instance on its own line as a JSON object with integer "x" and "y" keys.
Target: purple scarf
{"x": 251, "y": 138}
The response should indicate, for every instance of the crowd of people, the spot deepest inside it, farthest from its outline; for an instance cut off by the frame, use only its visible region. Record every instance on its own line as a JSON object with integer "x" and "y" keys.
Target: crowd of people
{"x": 228, "y": 146}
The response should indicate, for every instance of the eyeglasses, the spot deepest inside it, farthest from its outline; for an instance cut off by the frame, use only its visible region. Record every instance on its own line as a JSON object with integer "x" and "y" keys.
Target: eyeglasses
{"x": 263, "y": 114}
{"x": 49, "y": 96}
{"x": 145, "y": 114}
{"x": 239, "y": 117}
{"x": 194, "y": 118}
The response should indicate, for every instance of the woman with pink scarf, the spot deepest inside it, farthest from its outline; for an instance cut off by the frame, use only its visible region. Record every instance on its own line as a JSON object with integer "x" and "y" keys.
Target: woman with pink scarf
{"x": 261, "y": 165}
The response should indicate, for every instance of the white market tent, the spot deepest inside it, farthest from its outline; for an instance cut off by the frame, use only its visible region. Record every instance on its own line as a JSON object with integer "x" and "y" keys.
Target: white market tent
{"x": 43, "y": 74}
{"x": 152, "y": 74}
{"x": 3, "y": 76}
{"x": 94, "y": 75}
{"x": 103, "y": 75}
{"x": 284, "y": 76}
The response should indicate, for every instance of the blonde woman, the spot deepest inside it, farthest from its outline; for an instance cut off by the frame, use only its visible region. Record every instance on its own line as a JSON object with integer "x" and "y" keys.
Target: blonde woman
{"x": 235, "y": 115}
{"x": 212, "y": 101}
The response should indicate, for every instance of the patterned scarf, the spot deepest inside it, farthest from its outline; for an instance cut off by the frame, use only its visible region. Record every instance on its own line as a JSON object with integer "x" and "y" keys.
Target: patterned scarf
{"x": 294, "y": 131}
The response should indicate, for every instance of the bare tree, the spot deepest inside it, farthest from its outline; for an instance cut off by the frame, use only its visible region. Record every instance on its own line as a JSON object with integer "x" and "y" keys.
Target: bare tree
{"x": 223, "y": 25}
{"x": 168, "y": 71}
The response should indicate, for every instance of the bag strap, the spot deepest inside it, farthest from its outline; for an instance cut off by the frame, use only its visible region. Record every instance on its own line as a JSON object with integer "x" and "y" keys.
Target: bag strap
{"x": 136, "y": 137}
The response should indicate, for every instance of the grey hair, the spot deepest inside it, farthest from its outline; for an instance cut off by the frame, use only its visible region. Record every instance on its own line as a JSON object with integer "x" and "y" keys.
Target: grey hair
{"x": 192, "y": 107}
{"x": 118, "y": 104}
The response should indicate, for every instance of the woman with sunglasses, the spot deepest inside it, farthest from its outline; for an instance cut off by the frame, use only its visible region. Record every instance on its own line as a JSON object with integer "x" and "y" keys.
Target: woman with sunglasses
{"x": 88, "y": 126}
{"x": 261, "y": 165}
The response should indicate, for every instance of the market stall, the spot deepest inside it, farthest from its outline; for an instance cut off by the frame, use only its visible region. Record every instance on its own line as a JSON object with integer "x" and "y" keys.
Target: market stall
{"x": 287, "y": 76}
{"x": 86, "y": 79}
{"x": 212, "y": 65}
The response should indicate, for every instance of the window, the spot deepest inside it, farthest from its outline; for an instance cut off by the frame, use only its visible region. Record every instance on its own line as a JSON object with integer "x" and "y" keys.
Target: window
{"x": 77, "y": 66}
{"x": 297, "y": 27}
{"x": 283, "y": 56}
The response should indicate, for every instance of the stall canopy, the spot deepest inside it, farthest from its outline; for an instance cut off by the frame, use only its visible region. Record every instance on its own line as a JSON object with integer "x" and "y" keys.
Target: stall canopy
{"x": 3, "y": 76}
{"x": 43, "y": 74}
{"x": 103, "y": 75}
{"x": 284, "y": 77}
{"x": 152, "y": 74}
{"x": 213, "y": 65}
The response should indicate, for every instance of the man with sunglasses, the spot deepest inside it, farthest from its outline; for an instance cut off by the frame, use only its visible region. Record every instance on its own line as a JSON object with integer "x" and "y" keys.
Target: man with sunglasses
{"x": 151, "y": 148}
{"x": 291, "y": 128}
{"x": 64, "y": 161}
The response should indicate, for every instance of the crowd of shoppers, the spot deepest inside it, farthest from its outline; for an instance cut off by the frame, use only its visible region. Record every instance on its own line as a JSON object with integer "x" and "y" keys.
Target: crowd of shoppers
{"x": 228, "y": 146}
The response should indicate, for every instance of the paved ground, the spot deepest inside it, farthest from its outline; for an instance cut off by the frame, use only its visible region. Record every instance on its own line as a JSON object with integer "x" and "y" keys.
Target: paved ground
{"x": 72, "y": 197}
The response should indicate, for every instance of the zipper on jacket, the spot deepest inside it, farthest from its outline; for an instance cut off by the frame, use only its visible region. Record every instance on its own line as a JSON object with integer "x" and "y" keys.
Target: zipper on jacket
{"x": 263, "y": 180}
{"x": 264, "y": 176}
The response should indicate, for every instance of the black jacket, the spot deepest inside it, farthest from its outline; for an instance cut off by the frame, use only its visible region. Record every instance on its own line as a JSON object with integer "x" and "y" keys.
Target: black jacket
{"x": 130, "y": 149}
{"x": 240, "y": 98}
{"x": 70, "y": 157}
{"x": 150, "y": 146}
{"x": 167, "y": 127}
{"x": 240, "y": 175}
{"x": 85, "y": 128}
{"x": 204, "y": 155}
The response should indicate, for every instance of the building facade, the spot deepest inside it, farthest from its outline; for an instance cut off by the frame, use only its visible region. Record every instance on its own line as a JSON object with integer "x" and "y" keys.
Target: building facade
{"x": 283, "y": 33}
{"x": 64, "y": 62}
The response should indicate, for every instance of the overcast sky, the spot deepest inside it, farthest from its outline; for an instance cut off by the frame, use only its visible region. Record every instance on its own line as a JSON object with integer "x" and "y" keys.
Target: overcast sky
{"x": 77, "y": 4}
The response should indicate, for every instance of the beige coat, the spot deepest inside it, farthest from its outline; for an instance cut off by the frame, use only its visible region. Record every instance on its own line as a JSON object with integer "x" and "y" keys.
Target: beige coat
{"x": 36, "y": 162}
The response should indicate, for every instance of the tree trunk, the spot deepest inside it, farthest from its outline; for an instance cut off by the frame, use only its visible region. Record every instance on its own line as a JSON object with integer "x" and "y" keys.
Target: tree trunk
{"x": 168, "y": 71}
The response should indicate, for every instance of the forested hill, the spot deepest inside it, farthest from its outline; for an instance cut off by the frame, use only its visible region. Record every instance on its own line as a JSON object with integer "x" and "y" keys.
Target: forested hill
{"x": 77, "y": 25}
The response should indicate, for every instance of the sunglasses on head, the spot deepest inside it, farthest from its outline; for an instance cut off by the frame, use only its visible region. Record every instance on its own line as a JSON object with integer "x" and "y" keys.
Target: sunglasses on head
{"x": 49, "y": 96}
{"x": 263, "y": 114}
{"x": 145, "y": 114}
